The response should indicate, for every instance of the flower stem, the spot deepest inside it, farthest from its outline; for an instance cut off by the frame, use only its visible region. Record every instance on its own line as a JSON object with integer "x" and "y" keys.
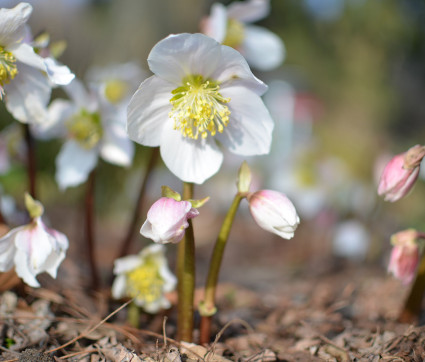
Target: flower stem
{"x": 412, "y": 306}
{"x": 133, "y": 315}
{"x": 31, "y": 162}
{"x": 89, "y": 213}
{"x": 186, "y": 277}
{"x": 126, "y": 243}
{"x": 207, "y": 307}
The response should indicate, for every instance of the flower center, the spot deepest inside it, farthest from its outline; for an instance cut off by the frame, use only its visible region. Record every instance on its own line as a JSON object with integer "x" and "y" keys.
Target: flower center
{"x": 145, "y": 282}
{"x": 8, "y": 68}
{"x": 235, "y": 33}
{"x": 199, "y": 108}
{"x": 115, "y": 90}
{"x": 85, "y": 128}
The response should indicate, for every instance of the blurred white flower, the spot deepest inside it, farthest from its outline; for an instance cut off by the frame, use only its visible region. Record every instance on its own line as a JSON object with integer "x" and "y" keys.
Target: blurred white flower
{"x": 23, "y": 78}
{"x": 262, "y": 49}
{"x": 351, "y": 240}
{"x": 145, "y": 277}
{"x": 92, "y": 128}
{"x": 117, "y": 82}
{"x": 33, "y": 248}
{"x": 167, "y": 220}
{"x": 202, "y": 92}
{"x": 274, "y": 212}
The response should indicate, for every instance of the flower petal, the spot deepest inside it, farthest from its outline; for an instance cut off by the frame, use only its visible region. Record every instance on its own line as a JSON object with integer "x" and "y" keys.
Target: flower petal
{"x": 190, "y": 160}
{"x": 27, "y": 95}
{"x": 8, "y": 249}
{"x": 58, "y": 73}
{"x": 119, "y": 287}
{"x": 215, "y": 25}
{"x": 73, "y": 164}
{"x": 126, "y": 263}
{"x": 24, "y": 53}
{"x": 23, "y": 271}
{"x": 148, "y": 111}
{"x": 249, "y": 11}
{"x": 180, "y": 55}
{"x": 234, "y": 70}
{"x": 12, "y": 23}
{"x": 262, "y": 49}
{"x": 116, "y": 147}
{"x": 54, "y": 126}
{"x": 250, "y": 127}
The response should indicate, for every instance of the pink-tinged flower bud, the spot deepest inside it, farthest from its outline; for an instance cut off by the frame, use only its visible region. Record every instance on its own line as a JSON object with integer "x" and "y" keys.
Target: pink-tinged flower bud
{"x": 400, "y": 174}
{"x": 405, "y": 255}
{"x": 274, "y": 212}
{"x": 167, "y": 220}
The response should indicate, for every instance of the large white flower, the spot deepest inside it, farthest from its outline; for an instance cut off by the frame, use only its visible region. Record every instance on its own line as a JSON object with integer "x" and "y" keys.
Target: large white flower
{"x": 33, "y": 248}
{"x": 202, "y": 92}
{"x": 23, "y": 73}
{"x": 92, "y": 128}
{"x": 146, "y": 277}
{"x": 262, "y": 49}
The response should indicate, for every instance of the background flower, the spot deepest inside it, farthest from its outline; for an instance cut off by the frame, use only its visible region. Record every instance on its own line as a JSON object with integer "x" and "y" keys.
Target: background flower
{"x": 262, "y": 49}
{"x": 146, "y": 277}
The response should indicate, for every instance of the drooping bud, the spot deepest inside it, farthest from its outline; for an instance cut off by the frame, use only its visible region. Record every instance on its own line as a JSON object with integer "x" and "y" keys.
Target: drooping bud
{"x": 167, "y": 220}
{"x": 404, "y": 255}
{"x": 274, "y": 212}
{"x": 400, "y": 174}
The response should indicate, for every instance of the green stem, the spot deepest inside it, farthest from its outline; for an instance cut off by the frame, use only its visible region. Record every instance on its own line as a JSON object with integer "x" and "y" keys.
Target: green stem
{"x": 413, "y": 304}
{"x": 186, "y": 277}
{"x": 133, "y": 315}
{"x": 207, "y": 307}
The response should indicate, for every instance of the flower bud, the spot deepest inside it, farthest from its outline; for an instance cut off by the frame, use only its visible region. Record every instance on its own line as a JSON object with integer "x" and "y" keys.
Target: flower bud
{"x": 400, "y": 174}
{"x": 274, "y": 212}
{"x": 167, "y": 220}
{"x": 404, "y": 255}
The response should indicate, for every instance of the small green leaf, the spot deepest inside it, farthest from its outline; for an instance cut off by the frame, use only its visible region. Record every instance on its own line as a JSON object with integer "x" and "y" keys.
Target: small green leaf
{"x": 170, "y": 193}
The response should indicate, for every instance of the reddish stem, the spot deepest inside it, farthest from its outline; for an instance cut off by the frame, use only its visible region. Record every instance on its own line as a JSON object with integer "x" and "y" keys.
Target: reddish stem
{"x": 31, "y": 161}
{"x": 126, "y": 243}
{"x": 90, "y": 238}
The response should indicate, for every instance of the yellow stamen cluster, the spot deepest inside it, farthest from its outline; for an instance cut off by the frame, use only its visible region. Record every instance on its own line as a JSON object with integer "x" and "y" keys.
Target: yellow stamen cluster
{"x": 199, "y": 108}
{"x": 115, "y": 90}
{"x": 8, "y": 69}
{"x": 145, "y": 282}
{"x": 85, "y": 128}
{"x": 235, "y": 34}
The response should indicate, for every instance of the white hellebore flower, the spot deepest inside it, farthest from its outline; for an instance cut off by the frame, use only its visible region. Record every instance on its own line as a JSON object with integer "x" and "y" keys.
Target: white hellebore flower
{"x": 274, "y": 212}
{"x": 33, "y": 248}
{"x": 167, "y": 220}
{"x": 262, "y": 49}
{"x": 92, "y": 127}
{"x": 145, "y": 277}
{"x": 202, "y": 92}
{"x": 23, "y": 78}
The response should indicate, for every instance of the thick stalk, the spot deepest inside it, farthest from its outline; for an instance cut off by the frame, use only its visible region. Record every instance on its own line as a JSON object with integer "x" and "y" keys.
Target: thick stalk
{"x": 207, "y": 308}
{"x": 186, "y": 277}
{"x": 126, "y": 243}
{"x": 89, "y": 229}
{"x": 31, "y": 162}
{"x": 413, "y": 305}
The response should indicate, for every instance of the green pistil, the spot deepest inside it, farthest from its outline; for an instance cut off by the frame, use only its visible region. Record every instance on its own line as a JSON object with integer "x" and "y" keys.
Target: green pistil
{"x": 198, "y": 107}
{"x": 86, "y": 128}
